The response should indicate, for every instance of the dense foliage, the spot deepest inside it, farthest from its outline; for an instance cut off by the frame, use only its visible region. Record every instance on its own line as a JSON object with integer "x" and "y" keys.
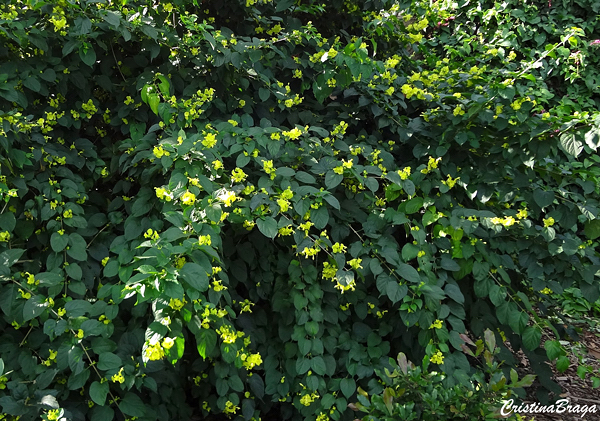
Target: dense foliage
{"x": 244, "y": 208}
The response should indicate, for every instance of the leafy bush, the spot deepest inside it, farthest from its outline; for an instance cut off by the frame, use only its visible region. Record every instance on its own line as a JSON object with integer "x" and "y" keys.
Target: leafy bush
{"x": 413, "y": 393}
{"x": 245, "y": 208}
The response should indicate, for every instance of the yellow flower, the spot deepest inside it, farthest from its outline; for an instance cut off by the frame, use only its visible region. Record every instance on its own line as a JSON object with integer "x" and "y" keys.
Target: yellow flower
{"x": 162, "y": 193}
{"x": 268, "y": 166}
{"x": 168, "y": 343}
{"x": 155, "y": 352}
{"x": 230, "y": 408}
{"x": 218, "y": 286}
{"x": 437, "y": 358}
{"x": 238, "y": 175}
{"x": 450, "y": 182}
{"x": 436, "y": 325}
{"x": 228, "y": 198}
{"x": 339, "y": 248}
{"x": 404, "y": 173}
{"x": 176, "y": 304}
{"x": 68, "y": 214}
{"x": 288, "y": 230}
{"x": 159, "y": 152}
{"x": 204, "y": 240}
{"x": 188, "y": 198}
{"x": 458, "y": 110}
{"x": 284, "y": 205}
{"x": 227, "y": 334}
{"x": 355, "y": 263}
{"x": 217, "y": 164}
{"x": 522, "y": 214}
{"x": 548, "y": 222}
{"x": 118, "y": 378}
{"x": 252, "y": 361}
{"x": 80, "y": 334}
{"x": 293, "y": 134}
{"x": 210, "y": 140}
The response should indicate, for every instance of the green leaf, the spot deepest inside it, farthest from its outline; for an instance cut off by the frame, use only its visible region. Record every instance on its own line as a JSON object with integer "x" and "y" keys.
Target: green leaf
{"x": 332, "y": 200}
{"x": 371, "y": 184}
{"x": 58, "y": 242}
{"x": 283, "y": 5}
{"x": 518, "y": 320}
{"x": 49, "y": 278}
{"x": 320, "y": 217}
{"x": 395, "y": 291}
{"x": 553, "y": 349}
{"x": 112, "y": 18}
{"x": 409, "y": 273}
{"x": 87, "y": 56}
{"x": 592, "y": 229}
{"x": 195, "y": 276}
{"x": 102, "y": 413}
{"x": 448, "y": 264}
{"x": 77, "y": 247}
{"x": 34, "y": 307}
{"x": 413, "y": 205}
{"x": 332, "y": 179}
{"x": 264, "y": 94}
{"x": 7, "y": 221}
{"x": 111, "y": 269}
{"x": 454, "y": 292}
{"x": 132, "y": 405}
{"x": 98, "y": 392}
{"x": 109, "y": 361}
{"x": 543, "y": 198}
{"x": 267, "y": 226}
{"x": 207, "y": 340}
{"x": 348, "y": 387}
{"x": 32, "y": 83}
{"x": 409, "y": 252}
{"x": 532, "y": 337}
{"x": 497, "y": 295}
{"x": 563, "y": 363}
{"x": 9, "y": 258}
{"x": 318, "y": 364}
{"x": 153, "y": 101}
{"x": 570, "y": 144}
{"x": 1, "y": 366}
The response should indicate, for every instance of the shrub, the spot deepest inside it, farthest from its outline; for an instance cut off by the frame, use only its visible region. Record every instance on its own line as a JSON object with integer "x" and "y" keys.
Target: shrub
{"x": 414, "y": 393}
{"x": 216, "y": 209}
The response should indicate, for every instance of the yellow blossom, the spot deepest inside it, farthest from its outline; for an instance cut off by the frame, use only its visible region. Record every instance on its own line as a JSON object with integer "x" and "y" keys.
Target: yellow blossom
{"x": 188, "y": 198}
{"x": 437, "y": 358}
{"x": 155, "y": 352}
{"x": 168, "y": 343}
{"x": 210, "y": 140}
{"x": 436, "y": 325}
{"x": 339, "y": 248}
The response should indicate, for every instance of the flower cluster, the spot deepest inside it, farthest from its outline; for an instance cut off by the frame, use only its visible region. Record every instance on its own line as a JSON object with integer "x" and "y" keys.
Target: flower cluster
{"x": 251, "y": 361}
{"x": 437, "y": 358}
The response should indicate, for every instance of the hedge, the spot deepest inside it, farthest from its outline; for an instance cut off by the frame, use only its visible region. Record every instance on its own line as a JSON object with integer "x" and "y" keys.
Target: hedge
{"x": 243, "y": 209}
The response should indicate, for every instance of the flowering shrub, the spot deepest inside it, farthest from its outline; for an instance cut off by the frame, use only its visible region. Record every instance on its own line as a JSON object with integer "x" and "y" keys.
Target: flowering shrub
{"x": 245, "y": 208}
{"x": 414, "y": 393}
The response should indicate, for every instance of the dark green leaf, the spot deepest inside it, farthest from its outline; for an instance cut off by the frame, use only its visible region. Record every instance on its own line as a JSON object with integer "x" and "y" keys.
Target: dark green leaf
{"x": 267, "y": 226}
{"x": 195, "y": 276}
